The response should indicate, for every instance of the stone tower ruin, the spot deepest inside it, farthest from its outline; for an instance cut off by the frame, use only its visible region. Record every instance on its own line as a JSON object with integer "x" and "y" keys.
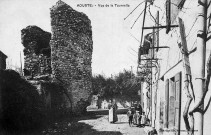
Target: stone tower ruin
{"x": 71, "y": 51}
{"x": 36, "y": 51}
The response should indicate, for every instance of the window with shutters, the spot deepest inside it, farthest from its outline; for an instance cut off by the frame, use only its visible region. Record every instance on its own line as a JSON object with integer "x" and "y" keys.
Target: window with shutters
{"x": 177, "y": 93}
{"x": 166, "y": 104}
{"x": 172, "y": 107}
{"x": 171, "y": 102}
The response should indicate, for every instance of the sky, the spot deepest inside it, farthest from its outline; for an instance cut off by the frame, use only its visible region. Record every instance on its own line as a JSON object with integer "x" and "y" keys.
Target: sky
{"x": 115, "y": 44}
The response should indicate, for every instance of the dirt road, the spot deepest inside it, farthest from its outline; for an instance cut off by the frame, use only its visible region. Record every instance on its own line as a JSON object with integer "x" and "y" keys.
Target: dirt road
{"x": 94, "y": 125}
{"x": 102, "y": 126}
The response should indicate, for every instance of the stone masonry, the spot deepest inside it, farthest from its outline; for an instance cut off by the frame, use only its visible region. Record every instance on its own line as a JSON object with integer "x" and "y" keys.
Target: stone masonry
{"x": 36, "y": 51}
{"x": 71, "y": 51}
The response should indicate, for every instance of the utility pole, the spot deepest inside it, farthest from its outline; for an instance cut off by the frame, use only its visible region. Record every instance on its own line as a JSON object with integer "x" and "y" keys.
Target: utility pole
{"x": 142, "y": 32}
{"x": 200, "y": 59}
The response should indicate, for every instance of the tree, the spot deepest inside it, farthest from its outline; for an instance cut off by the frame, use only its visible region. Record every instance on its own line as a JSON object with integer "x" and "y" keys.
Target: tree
{"x": 124, "y": 85}
{"x": 98, "y": 84}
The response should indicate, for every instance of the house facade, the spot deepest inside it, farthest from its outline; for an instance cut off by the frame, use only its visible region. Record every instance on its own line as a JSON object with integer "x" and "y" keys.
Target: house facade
{"x": 165, "y": 97}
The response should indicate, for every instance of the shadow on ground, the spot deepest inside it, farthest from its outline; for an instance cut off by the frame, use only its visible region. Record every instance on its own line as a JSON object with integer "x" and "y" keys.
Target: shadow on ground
{"x": 75, "y": 127}
{"x": 72, "y": 126}
{"x": 85, "y": 129}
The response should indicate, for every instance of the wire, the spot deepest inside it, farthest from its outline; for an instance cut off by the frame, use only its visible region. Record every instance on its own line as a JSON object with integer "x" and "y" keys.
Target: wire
{"x": 138, "y": 18}
{"x": 132, "y": 54}
{"x": 178, "y": 55}
{"x": 193, "y": 34}
{"x": 153, "y": 16}
{"x": 133, "y": 50}
{"x": 193, "y": 44}
{"x": 187, "y": 7}
{"x": 178, "y": 6}
{"x": 133, "y": 10}
{"x": 134, "y": 37}
{"x": 192, "y": 27}
{"x": 158, "y": 7}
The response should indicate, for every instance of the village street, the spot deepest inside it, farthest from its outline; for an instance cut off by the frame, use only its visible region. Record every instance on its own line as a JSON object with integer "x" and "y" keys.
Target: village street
{"x": 93, "y": 123}
{"x": 82, "y": 67}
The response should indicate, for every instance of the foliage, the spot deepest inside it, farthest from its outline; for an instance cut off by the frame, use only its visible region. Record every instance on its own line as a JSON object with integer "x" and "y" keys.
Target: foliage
{"x": 124, "y": 85}
{"x": 22, "y": 107}
{"x": 98, "y": 84}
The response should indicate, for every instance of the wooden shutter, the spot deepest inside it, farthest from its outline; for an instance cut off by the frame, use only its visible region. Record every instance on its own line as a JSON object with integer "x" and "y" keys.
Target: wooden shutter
{"x": 177, "y": 101}
{"x": 166, "y": 104}
{"x": 168, "y": 16}
{"x": 171, "y": 103}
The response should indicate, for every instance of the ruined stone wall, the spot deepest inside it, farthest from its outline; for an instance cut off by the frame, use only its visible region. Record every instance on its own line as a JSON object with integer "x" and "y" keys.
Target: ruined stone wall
{"x": 36, "y": 51}
{"x": 71, "y": 50}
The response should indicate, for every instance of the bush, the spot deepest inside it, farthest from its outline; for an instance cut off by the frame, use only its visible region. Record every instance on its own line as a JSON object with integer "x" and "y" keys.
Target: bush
{"x": 21, "y": 104}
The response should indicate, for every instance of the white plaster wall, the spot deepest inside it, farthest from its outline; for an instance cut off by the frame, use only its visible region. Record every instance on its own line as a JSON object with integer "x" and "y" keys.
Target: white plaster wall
{"x": 171, "y": 56}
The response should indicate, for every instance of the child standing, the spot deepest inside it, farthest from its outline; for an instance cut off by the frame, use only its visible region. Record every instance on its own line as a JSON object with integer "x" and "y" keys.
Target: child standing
{"x": 130, "y": 116}
{"x": 143, "y": 119}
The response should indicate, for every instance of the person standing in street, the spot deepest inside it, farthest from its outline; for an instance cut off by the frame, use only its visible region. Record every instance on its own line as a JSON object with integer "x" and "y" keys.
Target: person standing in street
{"x": 113, "y": 112}
{"x": 115, "y": 107}
{"x": 139, "y": 108}
{"x": 130, "y": 117}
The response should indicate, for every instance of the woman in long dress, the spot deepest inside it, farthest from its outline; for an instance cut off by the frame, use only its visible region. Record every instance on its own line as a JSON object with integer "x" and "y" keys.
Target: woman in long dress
{"x": 113, "y": 112}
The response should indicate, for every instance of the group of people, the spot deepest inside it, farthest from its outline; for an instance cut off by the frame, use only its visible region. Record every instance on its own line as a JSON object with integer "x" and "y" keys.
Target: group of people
{"x": 136, "y": 116}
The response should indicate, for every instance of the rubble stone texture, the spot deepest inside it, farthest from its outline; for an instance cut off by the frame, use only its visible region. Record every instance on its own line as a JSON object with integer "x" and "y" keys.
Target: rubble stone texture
{"x": 36, "y": 50}
{"x": 71, "y": 51}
